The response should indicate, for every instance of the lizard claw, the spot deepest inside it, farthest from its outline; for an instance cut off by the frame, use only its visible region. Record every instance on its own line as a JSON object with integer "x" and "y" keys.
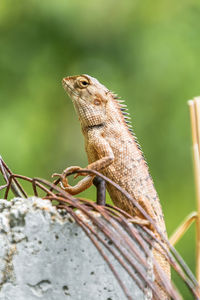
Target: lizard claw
{"x": 56, "y": 175}
{"x": 63, "y": 177}
{"x": 69, "y": 170}
{"x": 80, "y": 174}
{"x": 72, "y": 169}
{"x": 63, "y": 180}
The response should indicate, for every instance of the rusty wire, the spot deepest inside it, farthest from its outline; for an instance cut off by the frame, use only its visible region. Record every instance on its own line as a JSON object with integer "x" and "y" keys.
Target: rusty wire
{"x": 157, "y": 230}
{"x": 121, "y": 235}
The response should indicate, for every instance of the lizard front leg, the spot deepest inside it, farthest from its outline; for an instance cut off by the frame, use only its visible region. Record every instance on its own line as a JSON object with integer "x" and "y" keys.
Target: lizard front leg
{"x": 106, "y": 157}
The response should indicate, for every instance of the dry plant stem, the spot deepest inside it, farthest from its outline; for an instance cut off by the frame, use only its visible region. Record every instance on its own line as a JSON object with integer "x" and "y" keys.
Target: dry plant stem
{"x": 191, "y": 281}
{"x": 88, "y": 232}
{"x": 16, "y": 187}
{"x": 116, "y": 214}
{"x": 183, "y": 227}
{"x": 164, "y": 282}
{"x": 11, "y": 179}
{"x": 52, "y": 186}
{"x": 117, "y": 257}
{"x": 197, "y": 114}
{"x": 179, "y": 259}
{"x": 195, "y": 125}
{"x": 36, "y": 183}
{"x": 170, "y": 258}
{"x": 197, "y": 106}
{"x": 33, "y": 181}
{"x": 115, "y": 241}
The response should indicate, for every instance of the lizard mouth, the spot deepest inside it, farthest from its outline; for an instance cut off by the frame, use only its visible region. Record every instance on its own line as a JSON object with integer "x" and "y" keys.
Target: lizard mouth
{"x": 69, "y": 89}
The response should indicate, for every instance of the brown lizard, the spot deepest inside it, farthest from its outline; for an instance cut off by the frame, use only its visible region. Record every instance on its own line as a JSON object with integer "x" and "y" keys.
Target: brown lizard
{"x": 113, "y": 150}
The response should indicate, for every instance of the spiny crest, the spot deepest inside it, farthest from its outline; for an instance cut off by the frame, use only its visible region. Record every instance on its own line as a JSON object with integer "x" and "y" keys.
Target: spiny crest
{"x": 125, "y": 113}
{"x": 124, "y": 110}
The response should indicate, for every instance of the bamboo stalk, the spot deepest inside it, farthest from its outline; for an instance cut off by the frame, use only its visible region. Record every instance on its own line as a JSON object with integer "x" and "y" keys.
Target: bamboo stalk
{"x": 194, "y": 107}
{"x": 197, "y": 115}
{"x": 197, "y": 106}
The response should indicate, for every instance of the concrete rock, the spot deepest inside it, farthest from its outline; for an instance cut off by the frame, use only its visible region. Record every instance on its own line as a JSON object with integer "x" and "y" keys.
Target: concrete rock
{"x": 44, "y": 254}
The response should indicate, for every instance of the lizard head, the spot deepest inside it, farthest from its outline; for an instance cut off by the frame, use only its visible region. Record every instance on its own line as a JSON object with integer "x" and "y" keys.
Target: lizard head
{"x": 89, "y": 97}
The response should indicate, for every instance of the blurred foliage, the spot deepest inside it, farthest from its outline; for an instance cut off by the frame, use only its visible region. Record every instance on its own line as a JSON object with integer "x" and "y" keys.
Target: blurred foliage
{"x": 147, "y": 53}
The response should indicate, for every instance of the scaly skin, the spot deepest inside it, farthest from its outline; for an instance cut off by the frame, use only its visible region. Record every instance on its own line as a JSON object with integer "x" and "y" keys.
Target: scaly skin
{"x": 113, "y": 150}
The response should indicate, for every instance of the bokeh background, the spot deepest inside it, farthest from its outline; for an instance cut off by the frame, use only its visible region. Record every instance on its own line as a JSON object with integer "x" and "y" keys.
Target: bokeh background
{"x": 148, "y": 52}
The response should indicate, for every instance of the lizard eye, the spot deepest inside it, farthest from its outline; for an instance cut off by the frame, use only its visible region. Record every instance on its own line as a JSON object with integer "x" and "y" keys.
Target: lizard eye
{"x": 83, "y": 83}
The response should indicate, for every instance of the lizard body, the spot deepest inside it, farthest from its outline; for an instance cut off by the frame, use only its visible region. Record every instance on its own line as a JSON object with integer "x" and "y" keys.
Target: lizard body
{"x": 113, "y": 150}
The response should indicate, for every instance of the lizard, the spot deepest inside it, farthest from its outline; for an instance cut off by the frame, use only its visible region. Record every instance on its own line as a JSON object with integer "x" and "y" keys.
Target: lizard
{"x": 113, "y": 150}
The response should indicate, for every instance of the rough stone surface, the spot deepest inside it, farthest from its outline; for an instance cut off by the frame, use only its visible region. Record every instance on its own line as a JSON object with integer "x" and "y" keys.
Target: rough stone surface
{"x": 44, "y": 254}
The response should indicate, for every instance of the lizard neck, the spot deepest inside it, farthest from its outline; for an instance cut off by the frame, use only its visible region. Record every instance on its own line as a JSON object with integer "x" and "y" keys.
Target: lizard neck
{"x": 96, "y": 126}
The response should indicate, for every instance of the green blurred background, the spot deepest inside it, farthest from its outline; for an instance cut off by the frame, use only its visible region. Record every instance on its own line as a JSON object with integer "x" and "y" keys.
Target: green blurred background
{"x": 147, "y": 52}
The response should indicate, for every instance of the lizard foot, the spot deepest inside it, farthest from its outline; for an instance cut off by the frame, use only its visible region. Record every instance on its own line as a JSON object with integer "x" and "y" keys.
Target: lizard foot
{"x": 63, "y": 176}
{"x": 80, "y": 186}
